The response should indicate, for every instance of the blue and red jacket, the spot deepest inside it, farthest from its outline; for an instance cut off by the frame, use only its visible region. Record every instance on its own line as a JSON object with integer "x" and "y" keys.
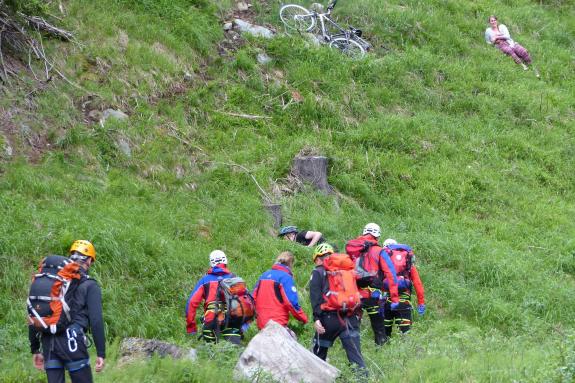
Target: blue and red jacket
{"x": 378, "y": 261}
{"x": 276, "y": 296}
{"x": 206, "y": 290}
{"x": 404, "y": 262}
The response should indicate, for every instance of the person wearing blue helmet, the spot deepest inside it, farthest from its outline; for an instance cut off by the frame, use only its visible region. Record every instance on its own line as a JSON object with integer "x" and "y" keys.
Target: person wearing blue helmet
{"x": 305, "y": 237}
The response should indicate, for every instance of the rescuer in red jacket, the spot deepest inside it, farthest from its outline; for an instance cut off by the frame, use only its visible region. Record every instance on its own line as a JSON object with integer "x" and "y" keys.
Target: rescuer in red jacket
{"x": 375, "y": 262}
{"x": 214, "y": 312}
{"x": 276, "y": 295}
{"x": 408, "y": 278}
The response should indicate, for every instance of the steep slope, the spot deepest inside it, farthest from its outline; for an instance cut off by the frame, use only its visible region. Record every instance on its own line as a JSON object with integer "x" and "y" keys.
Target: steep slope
{"x": 436, "y": 136}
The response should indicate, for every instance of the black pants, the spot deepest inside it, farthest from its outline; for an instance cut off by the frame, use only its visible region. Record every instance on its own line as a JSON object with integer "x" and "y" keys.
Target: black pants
{"x": 347, "y": 329}
{"x": 401, "y": 316}
{"x": 212, "y": 332}
{"x": 66, "y": 351}
{"x": 372, "y": 308}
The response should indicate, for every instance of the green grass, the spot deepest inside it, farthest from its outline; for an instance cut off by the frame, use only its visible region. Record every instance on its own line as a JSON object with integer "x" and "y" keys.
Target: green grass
{"x": 436, "y": 136}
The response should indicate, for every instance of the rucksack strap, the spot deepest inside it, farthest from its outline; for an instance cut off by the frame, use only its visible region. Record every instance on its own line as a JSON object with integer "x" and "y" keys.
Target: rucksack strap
{"x": 35, "y": 313}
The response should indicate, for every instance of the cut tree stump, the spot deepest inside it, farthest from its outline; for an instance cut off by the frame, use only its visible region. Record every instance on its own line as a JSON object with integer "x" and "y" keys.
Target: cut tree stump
{"x": 275, "y": 210}
{"x": 313, "y": 170}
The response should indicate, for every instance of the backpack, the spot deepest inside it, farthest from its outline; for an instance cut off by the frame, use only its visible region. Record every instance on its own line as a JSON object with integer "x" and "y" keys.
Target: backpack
{"x": 239, "y": 303}
{"x": 402, "y": 258}
{"x": 342, "y": 294}
{"x": 358, "y": 249}
{"x": 48, "y": 311}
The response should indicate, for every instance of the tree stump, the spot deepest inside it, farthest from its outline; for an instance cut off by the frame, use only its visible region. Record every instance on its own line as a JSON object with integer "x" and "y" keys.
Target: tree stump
{"x": 313, "y": 170}
{"x": 275, "y": 210}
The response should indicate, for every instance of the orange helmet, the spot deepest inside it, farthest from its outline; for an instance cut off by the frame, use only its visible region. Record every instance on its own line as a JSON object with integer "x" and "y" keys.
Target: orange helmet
{"x": 83, "y": 247}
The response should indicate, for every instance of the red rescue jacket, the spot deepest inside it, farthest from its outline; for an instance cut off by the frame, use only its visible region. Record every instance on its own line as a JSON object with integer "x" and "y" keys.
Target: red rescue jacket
{"x": 276, "y": 297}
{"x": 205, "y": 290}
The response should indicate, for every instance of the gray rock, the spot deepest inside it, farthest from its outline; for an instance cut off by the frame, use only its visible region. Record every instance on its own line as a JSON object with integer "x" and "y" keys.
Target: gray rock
{"x": 113, "y": 114}
{"x": 317, "y": 7}
{"x": 313, "y": 39}
{"x": 123, "y": 40}
{"x": 254, "y": 30}
{"x": 8, "y": 151}
{"x": 241, "y": 6}
{"x": 188, "y": 76}
{"x": 275, "y": 352}
{"x": 228, "y": 26}
{"x": 133, "y": 349}
{"x": 124, "y": 146}
{"x": 263, "y": 58}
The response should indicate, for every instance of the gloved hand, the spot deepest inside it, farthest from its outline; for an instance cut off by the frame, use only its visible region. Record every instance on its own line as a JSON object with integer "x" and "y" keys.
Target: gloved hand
{"x": 394, "y": 305}
{"x": 421, "y": 309}
{"x": 245, "y": 327}
{"x": 376, "y": 294}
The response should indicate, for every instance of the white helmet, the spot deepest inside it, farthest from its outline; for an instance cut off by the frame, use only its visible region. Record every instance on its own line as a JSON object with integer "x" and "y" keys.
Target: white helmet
{"x": 373, "y": 229}
{"x": 217, "y": 257}
{"x": 389, "y": 241}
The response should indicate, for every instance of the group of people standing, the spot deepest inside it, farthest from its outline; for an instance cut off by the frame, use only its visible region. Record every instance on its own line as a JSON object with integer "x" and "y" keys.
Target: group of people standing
{"x": 384, "y": 276}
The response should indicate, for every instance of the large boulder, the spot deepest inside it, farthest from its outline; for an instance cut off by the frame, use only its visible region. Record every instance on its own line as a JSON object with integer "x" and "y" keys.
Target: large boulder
{"x": 133, "y": 349}
{"x": 274, "y": 352}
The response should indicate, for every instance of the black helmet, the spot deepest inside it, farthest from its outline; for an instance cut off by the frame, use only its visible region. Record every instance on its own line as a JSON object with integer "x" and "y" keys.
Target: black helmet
{"x": 286, "y": 230}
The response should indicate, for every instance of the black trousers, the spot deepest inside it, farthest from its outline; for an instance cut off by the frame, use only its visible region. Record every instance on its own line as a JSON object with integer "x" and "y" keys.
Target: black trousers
{"x": 347, "y": 329}
{"x": 66, "y": 351}
{"x": 372, "y": 308}
{"x": 212, "y": 332}
{"x": 401, "y": 316}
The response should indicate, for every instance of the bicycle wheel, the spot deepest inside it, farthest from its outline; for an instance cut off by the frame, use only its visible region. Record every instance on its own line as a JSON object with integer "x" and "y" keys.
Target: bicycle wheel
{"x": 349, "y": 47}
{"x": 297, "y": 18}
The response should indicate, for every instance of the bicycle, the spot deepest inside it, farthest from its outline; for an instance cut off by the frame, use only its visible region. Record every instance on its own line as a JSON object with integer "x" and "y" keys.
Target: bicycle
{"x": 301, "y": 19}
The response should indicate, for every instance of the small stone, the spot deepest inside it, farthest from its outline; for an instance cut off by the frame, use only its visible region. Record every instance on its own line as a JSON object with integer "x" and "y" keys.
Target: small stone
{"x": 95, "y": 115}
{"x": 254, "y": 30}
{"x": 263, "y": 58}
{"x": 242, "y": 7}
{"x": 315, "y": 40}
{"x": 113, "y": 114}
{"x": 317, "y": 7}
{"x": 228, "y": 26}
{"x": 180, "y": 172}
{"x": 188, "y": 76}
{"x": 124, "y": 146}
{"x": 123, "y": 40}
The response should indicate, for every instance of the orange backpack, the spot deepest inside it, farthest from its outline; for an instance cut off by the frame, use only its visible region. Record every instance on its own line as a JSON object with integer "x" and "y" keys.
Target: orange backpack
{"x": 239, "y": 303}
{"x": 47, "y": 307}
{"x": 342, "y": 295}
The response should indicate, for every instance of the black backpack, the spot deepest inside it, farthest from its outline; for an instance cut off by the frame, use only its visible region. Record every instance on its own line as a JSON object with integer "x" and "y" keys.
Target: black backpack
{"x": 56, "y": 279}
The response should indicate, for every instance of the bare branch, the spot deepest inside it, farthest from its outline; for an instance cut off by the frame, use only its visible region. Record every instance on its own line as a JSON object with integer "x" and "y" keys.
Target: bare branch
{"x": 242, "y": 115}
{"x": 40, "y": 24}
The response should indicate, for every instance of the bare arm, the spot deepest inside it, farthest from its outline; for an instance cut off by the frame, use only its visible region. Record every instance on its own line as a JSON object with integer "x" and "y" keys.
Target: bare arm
{"x": 314, "y": 236}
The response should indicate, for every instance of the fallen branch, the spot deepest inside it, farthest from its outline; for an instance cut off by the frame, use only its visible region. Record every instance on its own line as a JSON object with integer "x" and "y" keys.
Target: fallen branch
{"x": 242, "y": 115}
{"x": 40, "y": 24}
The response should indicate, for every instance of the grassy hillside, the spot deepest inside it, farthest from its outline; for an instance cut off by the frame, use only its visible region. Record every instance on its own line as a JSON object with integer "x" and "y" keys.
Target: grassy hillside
{"x": 438, "y": 137}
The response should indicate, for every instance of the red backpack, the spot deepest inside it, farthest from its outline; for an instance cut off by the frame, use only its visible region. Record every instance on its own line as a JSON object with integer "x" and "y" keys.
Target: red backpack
{"x": 342, "y": 295}
{"x": 47, "y": 307}
{"x": 368, "y": 273}
{"x": 402, "y": 258}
